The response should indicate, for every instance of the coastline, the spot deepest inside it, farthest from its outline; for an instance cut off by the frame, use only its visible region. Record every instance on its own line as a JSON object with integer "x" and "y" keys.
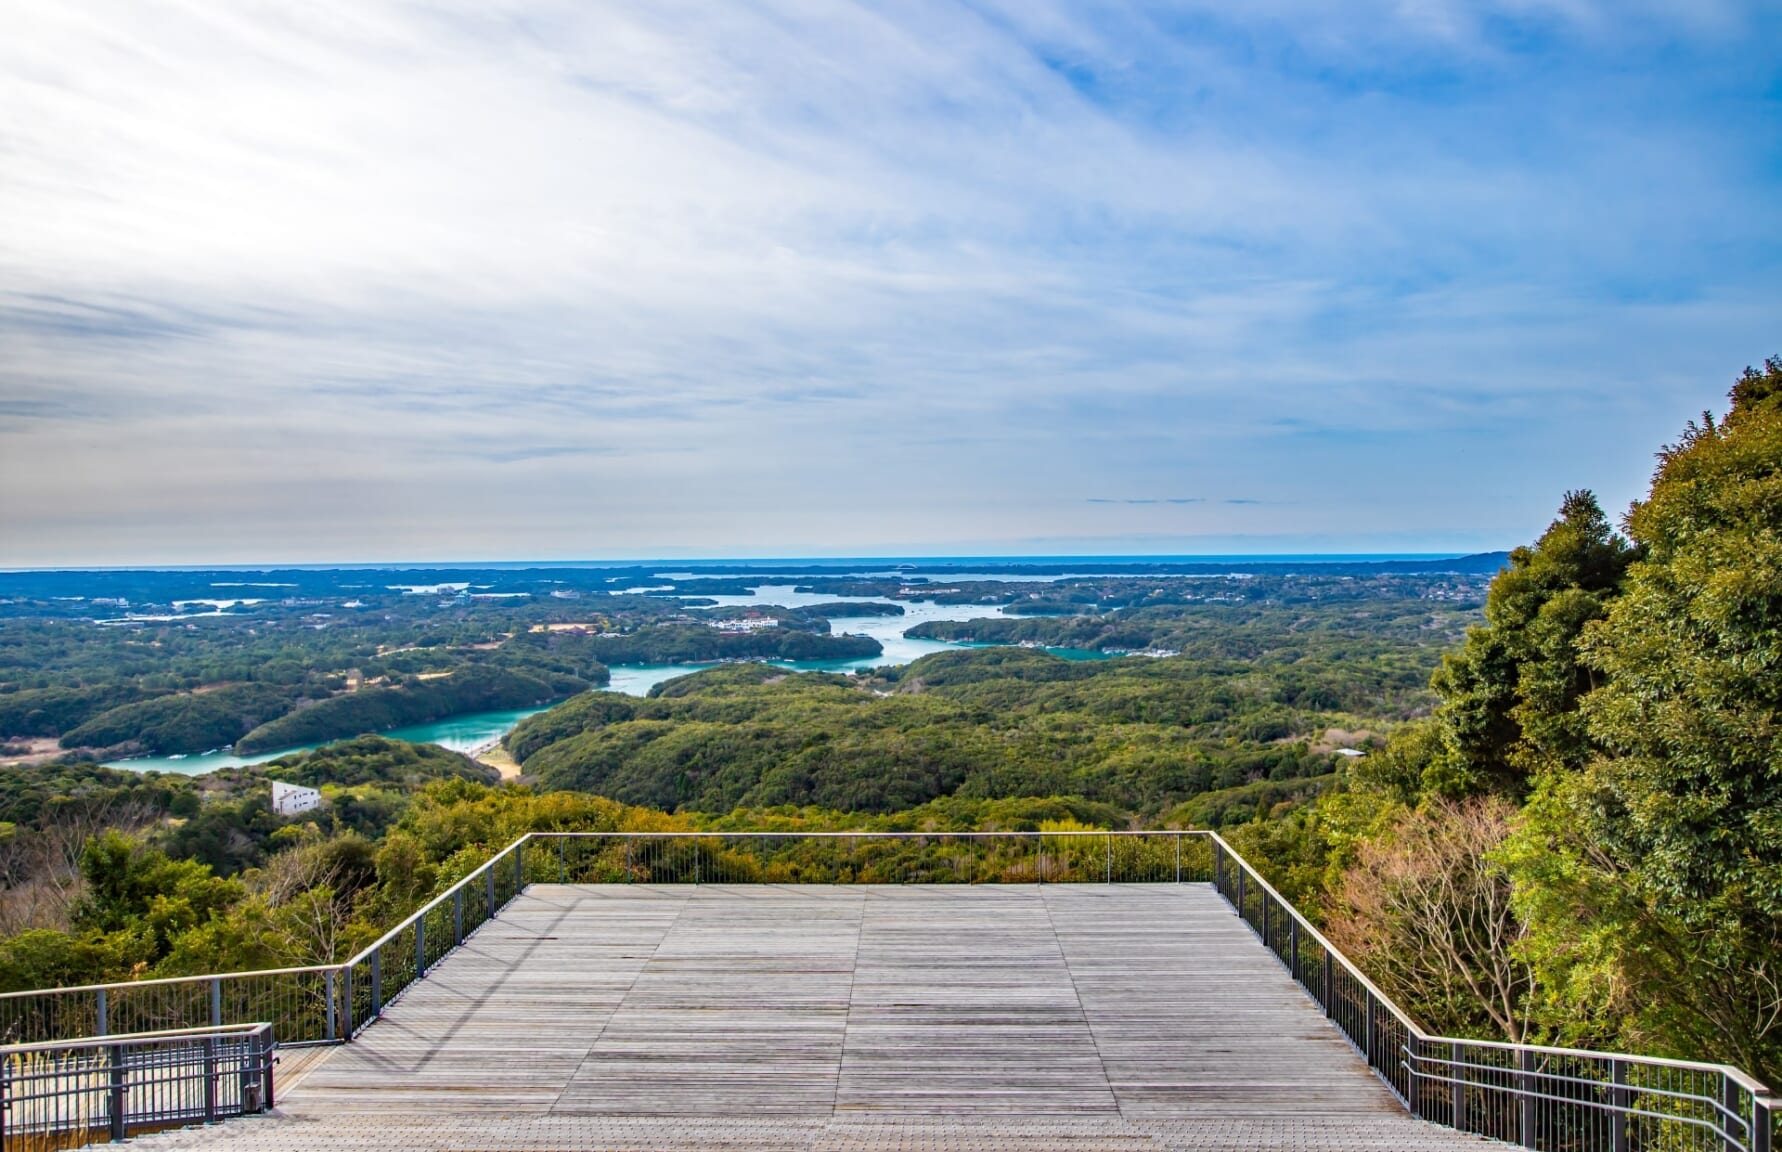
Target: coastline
{"x": 492, "y": 753}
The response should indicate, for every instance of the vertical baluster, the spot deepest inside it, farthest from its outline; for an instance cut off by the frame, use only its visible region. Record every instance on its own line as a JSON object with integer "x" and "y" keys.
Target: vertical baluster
{"x": 1525, "y": 1082}
{"x": 1729, "y": 1099}
{"x": 210, "y": 1079}
{"x": 266, "y": 1084}
{"x": 1367, "y": 1025}
{"x": 1457, "y": 1102}
{"x": 115, "y": 1058}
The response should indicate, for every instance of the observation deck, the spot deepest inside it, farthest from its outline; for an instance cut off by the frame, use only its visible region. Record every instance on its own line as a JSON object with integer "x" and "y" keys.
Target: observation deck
{"x": 859, "y": 1016}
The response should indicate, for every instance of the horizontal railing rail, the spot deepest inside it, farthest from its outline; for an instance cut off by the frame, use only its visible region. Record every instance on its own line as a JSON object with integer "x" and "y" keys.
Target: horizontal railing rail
{"x": 1551, "y": 1099}
{"x": 1545, "y": 1098}
{"x": 68, "y": 1093}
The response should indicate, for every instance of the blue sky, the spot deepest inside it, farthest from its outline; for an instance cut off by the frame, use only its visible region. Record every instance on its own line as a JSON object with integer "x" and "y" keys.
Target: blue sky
{"x": 366, "y": 281}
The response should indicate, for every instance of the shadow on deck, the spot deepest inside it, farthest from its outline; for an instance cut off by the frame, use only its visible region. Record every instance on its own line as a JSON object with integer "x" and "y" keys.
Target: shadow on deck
{"x": 850, "y": 1017}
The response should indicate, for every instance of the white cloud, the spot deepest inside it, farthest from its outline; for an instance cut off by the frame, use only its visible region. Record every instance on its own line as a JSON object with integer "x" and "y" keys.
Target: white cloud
{"x": 360, "y": 279}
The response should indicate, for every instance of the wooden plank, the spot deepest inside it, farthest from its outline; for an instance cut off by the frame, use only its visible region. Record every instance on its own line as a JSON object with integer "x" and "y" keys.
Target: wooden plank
{"x": 846, "y": 1017}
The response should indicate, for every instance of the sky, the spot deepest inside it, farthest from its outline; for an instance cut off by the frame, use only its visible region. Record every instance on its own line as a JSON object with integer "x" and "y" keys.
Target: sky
{"x": 351, "y": 280}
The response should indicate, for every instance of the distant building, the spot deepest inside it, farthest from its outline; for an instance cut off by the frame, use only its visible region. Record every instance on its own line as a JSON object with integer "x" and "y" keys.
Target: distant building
{"x": 290, "y": 799}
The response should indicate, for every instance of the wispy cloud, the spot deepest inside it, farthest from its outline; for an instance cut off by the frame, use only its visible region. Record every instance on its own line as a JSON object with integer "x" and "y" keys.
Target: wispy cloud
{"x": 621, "y": 276}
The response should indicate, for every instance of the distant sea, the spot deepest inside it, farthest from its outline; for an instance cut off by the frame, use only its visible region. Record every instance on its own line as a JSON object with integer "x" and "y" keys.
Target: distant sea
{"x": 471, "y": 733}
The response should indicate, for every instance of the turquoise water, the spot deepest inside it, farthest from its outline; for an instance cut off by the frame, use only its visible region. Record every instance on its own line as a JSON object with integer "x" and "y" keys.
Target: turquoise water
{"x": 480, "y": 729}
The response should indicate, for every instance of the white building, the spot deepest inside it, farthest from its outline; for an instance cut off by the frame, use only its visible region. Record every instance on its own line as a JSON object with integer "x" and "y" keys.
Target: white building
{"x": 290, "y": 799}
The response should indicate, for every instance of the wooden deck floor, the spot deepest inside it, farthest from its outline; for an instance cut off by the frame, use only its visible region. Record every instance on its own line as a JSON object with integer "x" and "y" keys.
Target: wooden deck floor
{"x": 769, "y": 1017}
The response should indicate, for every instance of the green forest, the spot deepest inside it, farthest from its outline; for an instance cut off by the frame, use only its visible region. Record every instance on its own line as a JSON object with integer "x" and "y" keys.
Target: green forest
{"x": 1565, "y": 824}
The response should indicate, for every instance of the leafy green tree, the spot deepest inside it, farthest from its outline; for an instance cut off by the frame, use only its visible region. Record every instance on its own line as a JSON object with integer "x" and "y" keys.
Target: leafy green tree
{"x": 1509, "y": 696}
{"x": 46, "y": 958}
{"x": 131, "y": 886}
{"x": 1658, "y": 867}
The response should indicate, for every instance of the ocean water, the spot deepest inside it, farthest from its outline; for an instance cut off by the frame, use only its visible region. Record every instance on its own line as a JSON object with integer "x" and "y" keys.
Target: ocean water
{"x": 474, "y": 731}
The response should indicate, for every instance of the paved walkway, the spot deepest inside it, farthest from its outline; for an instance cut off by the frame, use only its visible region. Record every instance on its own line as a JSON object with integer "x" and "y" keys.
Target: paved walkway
{"x": 839, "y": 1018}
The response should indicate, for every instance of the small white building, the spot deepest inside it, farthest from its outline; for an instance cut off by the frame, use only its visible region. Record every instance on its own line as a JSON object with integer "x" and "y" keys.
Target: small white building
{"x": 290, "y": 799}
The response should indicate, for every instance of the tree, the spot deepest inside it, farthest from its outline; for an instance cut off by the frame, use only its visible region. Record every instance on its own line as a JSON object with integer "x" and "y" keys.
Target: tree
{"x": 1510, "y": 695}
{"x": 130, "y": 886}
{"x": 1658, "y": 865}
{"x": 1427, "y": 910}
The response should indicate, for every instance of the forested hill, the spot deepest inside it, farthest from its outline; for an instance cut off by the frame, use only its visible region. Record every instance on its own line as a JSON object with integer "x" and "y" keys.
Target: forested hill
{"x": 1267, "y": 683}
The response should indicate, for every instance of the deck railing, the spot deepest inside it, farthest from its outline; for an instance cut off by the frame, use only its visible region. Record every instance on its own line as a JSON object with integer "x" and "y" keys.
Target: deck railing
{"x": 69, "y": 1093}
{"x": 1549, "y": 1099}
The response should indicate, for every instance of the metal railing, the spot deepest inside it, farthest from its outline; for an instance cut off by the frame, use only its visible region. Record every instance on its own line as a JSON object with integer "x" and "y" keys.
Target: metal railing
{"x": 1550, "y": 1099}
{"x": 322, "y": 1004}
{"x": 69, "y": 1093}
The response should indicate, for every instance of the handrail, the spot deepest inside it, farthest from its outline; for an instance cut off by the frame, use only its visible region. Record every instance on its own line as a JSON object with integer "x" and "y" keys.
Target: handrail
{"x": 69, "y": 1093}
{"x": 157, "y": 980}
{"x": 1540, "y": 1096}
{"x": 133, "y": 1037}
{"x": 1472, "y": 1093}
{"x": 1306, "y": 927}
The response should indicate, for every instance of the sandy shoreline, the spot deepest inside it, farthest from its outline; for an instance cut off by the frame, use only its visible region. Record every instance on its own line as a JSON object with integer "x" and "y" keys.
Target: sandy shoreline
{"x": 491, "y": 752}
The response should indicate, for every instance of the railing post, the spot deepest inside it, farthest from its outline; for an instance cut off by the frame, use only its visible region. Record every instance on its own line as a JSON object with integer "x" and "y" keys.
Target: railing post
{"x": 1762, "y": 1120}
{"x": 1329, "y": 964}
{"x": 103, "y": 1012}
{"x": 1218, "y": 868}
{"x": 210, "y": 1079}
{"x": 329, "y": 982}
{"x": 1178, "y": 857}
{"x": 1620, "y": 1100}
{"x": 1293, "y": 947}
{"x": 519, "y": 867}
{"x": 489, "y": 886}
{"x": 1110, "y": 878}
{"x": 1240, "y": 899}
{"x": 1457, "y": 1090}
{"x": 1525, "y": 1082}
{"x": 562, "y": 876}
{"x": 377, "y": 981}
{"x": 696, "y": 861}
{"x": 346, "y": 1002}
{"x": 267, "y": 1044}
{"x": 627, "y": 859}
{"x": 420, "y": 946}
{"x": 216, "y": 1002}
{"x": 457, "y": 917}
{"x": 1729, "y": 1098}
{"x": 116, "y": 1094}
